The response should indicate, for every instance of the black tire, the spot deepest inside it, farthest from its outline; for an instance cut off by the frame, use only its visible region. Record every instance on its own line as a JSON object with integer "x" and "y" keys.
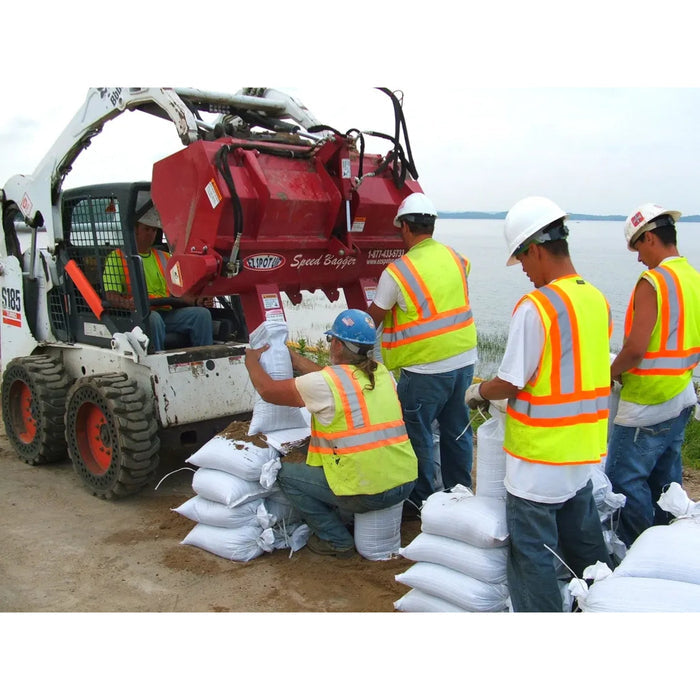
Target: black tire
{"x": 112, "y": 435}
{"x": 34, "y": 391}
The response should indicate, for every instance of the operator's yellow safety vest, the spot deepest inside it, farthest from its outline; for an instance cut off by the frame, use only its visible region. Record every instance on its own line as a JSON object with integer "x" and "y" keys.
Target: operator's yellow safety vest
{"x": 674, "y": 347}
{"x": 365, "y": 449}
{"x": 161, "y": 258}
{"x": 438, "y": 321}
{"x": 561, "y": 416}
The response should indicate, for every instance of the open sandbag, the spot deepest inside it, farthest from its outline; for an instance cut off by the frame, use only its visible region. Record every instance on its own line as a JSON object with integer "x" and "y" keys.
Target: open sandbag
{"x": 277, "y": 362}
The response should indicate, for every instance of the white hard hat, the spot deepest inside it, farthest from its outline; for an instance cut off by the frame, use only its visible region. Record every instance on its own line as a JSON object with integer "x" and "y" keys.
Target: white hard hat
{"x": 416, "y": 203}
{"x": 525, "y": 219}
{"x": 641, "y": 219}
{"x": 150, "y": 218}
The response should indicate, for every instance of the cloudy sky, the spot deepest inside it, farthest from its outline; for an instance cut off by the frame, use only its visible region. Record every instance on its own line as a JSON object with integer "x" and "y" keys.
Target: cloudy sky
{"x": 592, "y": 150}
{"x": 592, "y": 110}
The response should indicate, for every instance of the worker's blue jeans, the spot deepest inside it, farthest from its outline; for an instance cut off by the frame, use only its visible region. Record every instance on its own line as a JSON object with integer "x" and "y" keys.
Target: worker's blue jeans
{"x": 308, "y": 490}
{"x": 194, "y": 321}
{"x": 424, "y": 399}
{"x": 572, "y": 529}
{"x": 641, "y": 461}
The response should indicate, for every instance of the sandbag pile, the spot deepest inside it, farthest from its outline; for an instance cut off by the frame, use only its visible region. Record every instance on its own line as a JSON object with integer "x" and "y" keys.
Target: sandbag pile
{"x": 661, "y": 570}
{"x": 239, "y": 509}
{"x": 460, "y": 556}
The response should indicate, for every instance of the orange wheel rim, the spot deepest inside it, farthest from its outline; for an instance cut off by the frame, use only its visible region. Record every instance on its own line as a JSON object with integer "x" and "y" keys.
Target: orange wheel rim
{"x": 23, "y": 417}
{"x": 94, "y": 438}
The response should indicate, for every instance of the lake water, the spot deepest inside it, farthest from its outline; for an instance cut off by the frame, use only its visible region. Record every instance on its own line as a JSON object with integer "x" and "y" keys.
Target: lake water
{"x": 598, "y": 251}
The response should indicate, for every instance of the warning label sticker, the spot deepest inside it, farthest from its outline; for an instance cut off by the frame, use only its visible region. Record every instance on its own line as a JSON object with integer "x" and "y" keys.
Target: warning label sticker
{"x": 213, "y": 193}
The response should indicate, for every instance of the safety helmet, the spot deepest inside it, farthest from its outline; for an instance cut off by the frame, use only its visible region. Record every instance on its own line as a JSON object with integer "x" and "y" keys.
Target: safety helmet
{"x": 150, "y": 218}
{"x": 355, "y": 328}
{"x": 525, "y": 219}
{"x": 642, "y": 219}
{"x": 416, "y": 203}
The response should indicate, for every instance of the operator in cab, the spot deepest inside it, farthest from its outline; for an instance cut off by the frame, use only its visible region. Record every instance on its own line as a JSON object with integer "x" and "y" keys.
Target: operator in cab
{"x": 360, "y": 457}
{"x": 194, "y": 321}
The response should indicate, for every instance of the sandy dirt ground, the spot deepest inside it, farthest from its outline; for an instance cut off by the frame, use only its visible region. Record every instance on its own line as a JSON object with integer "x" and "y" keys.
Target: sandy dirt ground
{"x": 63, "y": 550}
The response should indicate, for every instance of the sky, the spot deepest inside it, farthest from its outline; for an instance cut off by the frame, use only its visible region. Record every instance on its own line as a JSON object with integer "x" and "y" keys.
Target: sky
{"x": 592, "y": 110}
{"x": 592, "y": 150}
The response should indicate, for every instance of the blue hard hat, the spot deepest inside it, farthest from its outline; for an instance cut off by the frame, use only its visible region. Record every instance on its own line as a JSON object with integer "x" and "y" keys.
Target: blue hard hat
{"x": 355, "y": 328}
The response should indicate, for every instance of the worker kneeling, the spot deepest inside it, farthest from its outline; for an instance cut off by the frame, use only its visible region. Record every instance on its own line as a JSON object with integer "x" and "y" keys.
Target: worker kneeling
{"x": 360, "y": 458}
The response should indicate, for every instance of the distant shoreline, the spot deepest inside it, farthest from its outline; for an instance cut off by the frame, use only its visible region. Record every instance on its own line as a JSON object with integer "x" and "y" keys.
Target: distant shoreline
{"x": 572, "y": 217}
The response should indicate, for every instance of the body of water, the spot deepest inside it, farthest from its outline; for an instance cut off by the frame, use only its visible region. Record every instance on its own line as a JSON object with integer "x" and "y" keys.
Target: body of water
{"x": 598, "y": 251}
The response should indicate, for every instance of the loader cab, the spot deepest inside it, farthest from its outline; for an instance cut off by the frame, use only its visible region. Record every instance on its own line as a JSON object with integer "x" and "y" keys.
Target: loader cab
{"x": 98, "y": 222}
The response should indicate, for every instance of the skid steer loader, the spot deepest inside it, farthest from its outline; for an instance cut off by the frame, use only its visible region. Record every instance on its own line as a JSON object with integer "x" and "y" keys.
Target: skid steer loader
{"x": 262, "y": 199}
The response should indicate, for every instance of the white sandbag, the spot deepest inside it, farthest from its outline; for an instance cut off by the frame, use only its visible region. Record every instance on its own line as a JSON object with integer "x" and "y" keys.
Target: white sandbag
{"x": 461, "y": 515}
{"x": 378, "y": 533}
{"x": 456, "y": 588}
{"x": 490, "y": 457}
{"x": 237, "y": 544}
{"x": 674, "y": 500}
{"x": 486, "y": 564}
{"x": 284, "y": 441}
{"x": 417, "y": 601}
{"x": 207, "y": 512}
{"x": 226, "y": 488}
{"x": 632, "y": 594}
{"x": 277, "y": 362}
{"x": 237, "y": 457}
{"x": 665, "y": 551}
{"x": 293, "y": 536}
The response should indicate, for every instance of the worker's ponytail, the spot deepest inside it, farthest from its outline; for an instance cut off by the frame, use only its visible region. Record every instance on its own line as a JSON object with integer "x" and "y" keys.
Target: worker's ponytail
{"x": 368, "y": 365}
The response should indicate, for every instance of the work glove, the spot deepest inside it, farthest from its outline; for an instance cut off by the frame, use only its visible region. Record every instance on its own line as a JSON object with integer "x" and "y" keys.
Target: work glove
{"x": 474, "y": 399}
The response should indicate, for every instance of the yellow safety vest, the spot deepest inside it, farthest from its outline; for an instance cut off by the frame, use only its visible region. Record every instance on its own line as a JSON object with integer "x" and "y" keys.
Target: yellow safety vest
{"x": 674, "y": 347}
{"x": 365, "y": 449}
{"x": 438, "y": 321}
{"x": 561, "y": 416}
{"x": 150, "y": 272}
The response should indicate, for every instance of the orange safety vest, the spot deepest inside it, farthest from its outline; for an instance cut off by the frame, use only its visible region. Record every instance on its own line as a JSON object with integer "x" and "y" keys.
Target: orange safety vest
{"x": 561, "y": 416}
{"x": 674, "y": 347}
{"x": 365, "y": 449}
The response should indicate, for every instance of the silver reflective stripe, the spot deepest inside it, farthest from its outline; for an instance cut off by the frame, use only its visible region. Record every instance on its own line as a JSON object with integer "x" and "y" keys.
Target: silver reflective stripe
{"x": 673, "y": 309}
{"x": 566, "y": 361}
{"x": 414, "y": 285}
{"x": 351, "y": 396}
{"x": 358, "y": 440}
{"x": 446, "y": 322}
{"x": 679, "y": 363}
{"x": 565, "y": 409}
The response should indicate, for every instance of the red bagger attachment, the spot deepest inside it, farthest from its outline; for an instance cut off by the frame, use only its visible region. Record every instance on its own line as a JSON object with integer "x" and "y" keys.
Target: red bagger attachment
{"x": 252, "y": 217}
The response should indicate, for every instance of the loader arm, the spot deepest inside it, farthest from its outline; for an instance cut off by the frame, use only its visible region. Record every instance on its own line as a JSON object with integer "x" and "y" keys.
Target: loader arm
{"x": 101, "y": 105}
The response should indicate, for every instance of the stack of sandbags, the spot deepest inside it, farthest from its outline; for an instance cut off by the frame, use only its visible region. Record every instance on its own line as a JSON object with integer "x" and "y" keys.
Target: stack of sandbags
{"x": 661, "y": 570}
{"x": 239, "y": 510}
{"x": 460, "y": 556}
